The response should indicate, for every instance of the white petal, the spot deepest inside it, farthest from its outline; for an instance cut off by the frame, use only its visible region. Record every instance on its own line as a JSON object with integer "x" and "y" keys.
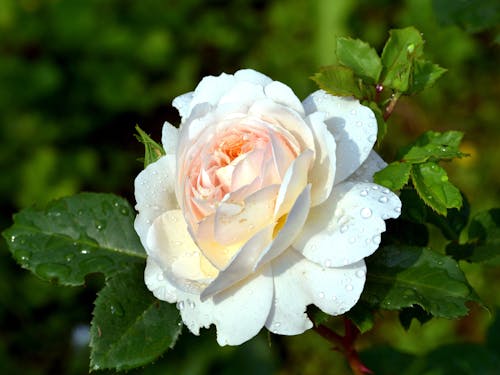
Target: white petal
{"x": 282, "y": 94}
{"x": 353, "y": 126}
{"x": 239, "y": 312}
{"x": 293, "y": 225}
{"x": 242, "y": 264}
{"x": 293, "y": 184}
{"x": 171, "y": 246}
{"x": 371, "y": 165}
{"x": 347, "y": 227}
{"x": 243, "y": 93}
{"x": 299, "y": 282}
{"x": 322, "y": 173}
{"x": 154, "y": 193}
{"x": 169, "y": 138}
{"x": 183, "y": 104}
{"x": 286, "y": 118}
{"x": 250, "y": 75}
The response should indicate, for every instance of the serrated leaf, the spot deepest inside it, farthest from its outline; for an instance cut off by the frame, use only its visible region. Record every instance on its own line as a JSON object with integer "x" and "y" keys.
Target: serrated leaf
{"x": 402, "y": 276}
{"x": 432, "y": 185}
{"x": 407, "y": 314}
{"x": 153, "y": 151}
{"x": 425, "y": 74}
{"x": 130, "y": 327}
{"x": 394, "y": 176}
{"x": 433, "y": 146}
{"x": 74, "y": 236}
{"x": 360, "y": 57}
{"x": 338, "y": 80}
{"x": 400, "y": 51}
{"x": 362, "y": 316}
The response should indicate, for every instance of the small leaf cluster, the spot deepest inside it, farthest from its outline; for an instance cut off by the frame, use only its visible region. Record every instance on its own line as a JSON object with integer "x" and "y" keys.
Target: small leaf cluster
{"x": 379, "y": 81}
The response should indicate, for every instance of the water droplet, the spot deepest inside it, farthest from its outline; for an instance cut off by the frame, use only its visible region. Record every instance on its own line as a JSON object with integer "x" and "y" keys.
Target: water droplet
{"x": 177, "y": 243}
{"x": 385, "y": 216}
{"x": 124, "y": 211}
{"x": 69, "y": 257}
{"x": 353, "y": 112}
{"x": 180, "y": 305}
{"x": 358, "y": 123}
{"x": 321, "y": 295}
{"x": 84, "y": 251}
{"x": 349, "y": 287}
{"x": 251, "y": 227}
{"x": 100, "y": 225}
{"x": 160, "y": 276}
{"x": 24, "y": 256}
{"x": 383, "y": 199}
{"x": 116, "y": 309}
{"x": 372, "y": 138}
{"x": 366, "y": 213}
{"x": 98, "y": 263}
{"x": 191, "y": 304}
{"x": 363, "y": 193}
{"x": 376, "y": 239}
{"x": 343, "y": 228}
{"x": 334, "y": 297}
{"x": 80, "y": 212}
{"x": 352, "y": 240}
{"x": 277, "y": 324}
{"x": 327, "y": 263}
{"x": 155, "y": 173}
{"x": 397, "y": 210}
{"x": 375, "y": 187}
{"x": 52, "y": 271}
{"x": 173, "y": 219}
{"x": 360, "y": 274}
{"x": 385, "y": 191}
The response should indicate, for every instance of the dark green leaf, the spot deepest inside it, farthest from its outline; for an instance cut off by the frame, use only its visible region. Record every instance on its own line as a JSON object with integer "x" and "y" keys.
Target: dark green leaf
{"x": 394, "y": 176}
{"x": 432, "y": 185}
{"x": 433, "y": 146}
{"x": 130, "y": 327}
{"x": 404, "y": 232}
{"x": 413, "y": 208}
{"x": 153, "y": 151}
{"x": 386, "y": 360}
{"x": 425, "y": 74}
{"x": 407, "y": 314}
{"x": 360, "y": 57}
{"x": 400, "y": 51}
{"x": 403, "y": 276}
{"x": 75, "y": 236}
{"x": 362, "y": 316}
{"x": 339, "y": 81}
{"x": 455, "y": 221}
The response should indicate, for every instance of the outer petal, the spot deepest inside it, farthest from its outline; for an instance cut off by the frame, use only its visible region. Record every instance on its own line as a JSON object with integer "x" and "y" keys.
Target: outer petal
{"x": 347, "y": 227}
{"x": 322, "y": 173}
{"x": 353, "y": 125}
{"x": 154, "y": 194}
{"x": 183, "y": 104}
{"x": 372, "y": 164}
{"x": 299, "y": 282}
{"x": 239, "y": 313}
{"x": 282, "y": 94}
{"x": 250, "y": 75}
{"x": 170, "y": 245}
{"x": 169, "y": 138}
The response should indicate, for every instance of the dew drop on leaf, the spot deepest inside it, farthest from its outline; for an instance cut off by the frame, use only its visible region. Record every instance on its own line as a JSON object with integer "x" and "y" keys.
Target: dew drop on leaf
{"x": 52, "y": 271}
{"x": 116, "y": 309}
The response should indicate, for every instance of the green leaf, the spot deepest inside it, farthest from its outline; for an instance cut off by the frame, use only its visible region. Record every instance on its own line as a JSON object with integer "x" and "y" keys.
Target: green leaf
{"x": 404, "y": 232}
{"x": 394, "y": 176}
{"x": 362, "y": 316}
{"x": 425, "y": 74}
{"x": 413, "y": 208}
{"x": 360, "y": 57}
{"x": 484, "y": 239}
{"x": 130, "y": 327}
{"x": 72, "y": 237}
{"x": 432, "y": 185}
{"x": 398, "y": 55}
{"x": 455, "y": 221}
{"x": 153, "y": 150}
{"x": 433, "y": 146}
{"x": 403, "y": 276}
{"x": 339, "y": 81}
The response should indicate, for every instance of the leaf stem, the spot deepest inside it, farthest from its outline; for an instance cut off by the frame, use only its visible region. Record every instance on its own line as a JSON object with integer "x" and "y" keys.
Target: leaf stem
{"x": 345, "y": 345}
{"x": 392, "y": 104}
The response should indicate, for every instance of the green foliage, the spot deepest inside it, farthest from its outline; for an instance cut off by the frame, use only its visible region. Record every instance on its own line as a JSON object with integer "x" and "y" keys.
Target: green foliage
{"x": 75, "y": 236}
{"x": 433, "y": 146}
{"x": 130, "y": 327}
{"x": 360, "y": 57}
{"x": 346, "y": 84}
{"x": 402, "y": 276}
{"x": 472, "y": 15}
{"x": 394, "y": 176}
{"x": 153, "y": 151}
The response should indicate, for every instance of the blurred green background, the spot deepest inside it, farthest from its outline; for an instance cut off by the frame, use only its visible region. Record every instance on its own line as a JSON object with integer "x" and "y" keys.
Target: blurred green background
{"x": 77, "y": 75}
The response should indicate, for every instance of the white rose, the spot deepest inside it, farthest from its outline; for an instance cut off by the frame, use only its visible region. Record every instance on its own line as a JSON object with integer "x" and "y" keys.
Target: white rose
{"x": 262, "y": 206}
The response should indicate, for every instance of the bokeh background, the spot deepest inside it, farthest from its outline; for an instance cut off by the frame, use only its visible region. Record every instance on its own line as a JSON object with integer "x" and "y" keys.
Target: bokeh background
{"x": 76, "y": 76}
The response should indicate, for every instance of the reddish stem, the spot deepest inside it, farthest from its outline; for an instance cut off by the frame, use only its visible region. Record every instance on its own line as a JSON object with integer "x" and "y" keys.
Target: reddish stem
{"x": 345, "y": 345}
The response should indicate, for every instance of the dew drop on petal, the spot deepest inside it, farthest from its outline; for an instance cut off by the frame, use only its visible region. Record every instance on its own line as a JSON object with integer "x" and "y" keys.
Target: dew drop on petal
{"x": 385, "y": 191}
{"x": 352, "y": 240}
{"x": 366, "y": 213}
{"x": 360, "y": 274}
{"x": 160, "y": 276}
{"x": 321, "y": 295}
{"x": 327, "y": 263}
{"x": 277, "y": 325}
{"x": 349, "y": 287}
{"x": 363, "y": 193}
{"x": 353, "y": 112}
{"x": 376, "y": 239}
{"x": 343, "y": 228}
{"x": 358, "y": 123}
{"x": 383, "y": 199}
{"x": 180, "y": 305}
{"x": 397, "y": 210}
{"x": 374, "y": 187}
{"x": 177, "y": 243}
{"x": 191, "y": 304}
